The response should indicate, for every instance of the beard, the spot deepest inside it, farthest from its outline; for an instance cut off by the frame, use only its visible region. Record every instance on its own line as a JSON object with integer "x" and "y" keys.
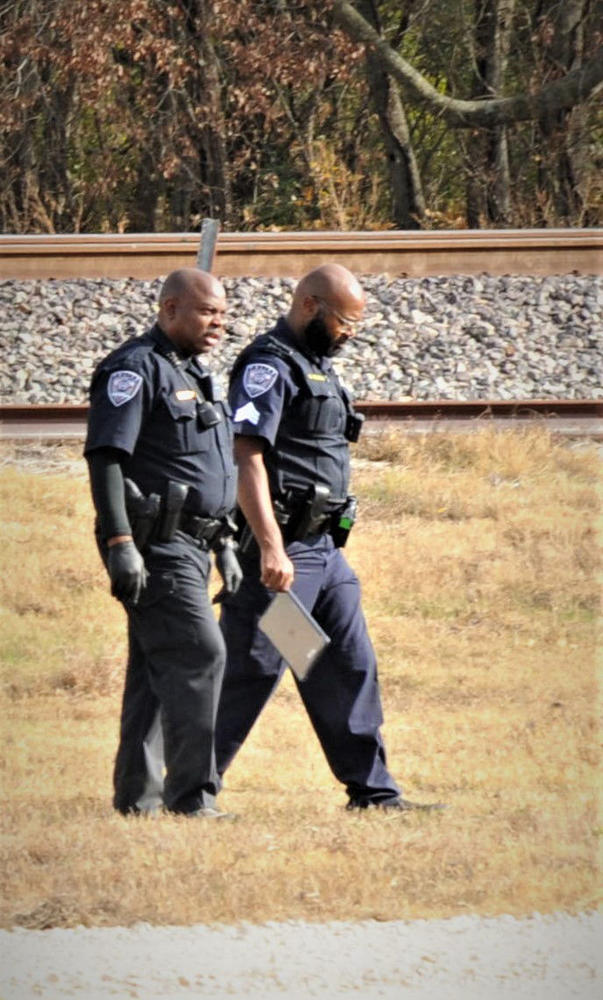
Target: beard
{"x": 318, "y": 339}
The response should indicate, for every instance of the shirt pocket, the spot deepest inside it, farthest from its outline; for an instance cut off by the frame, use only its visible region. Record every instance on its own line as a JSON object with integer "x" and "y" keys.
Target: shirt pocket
{"x": 185, "y": 436}
{"x": 324, "y": 411}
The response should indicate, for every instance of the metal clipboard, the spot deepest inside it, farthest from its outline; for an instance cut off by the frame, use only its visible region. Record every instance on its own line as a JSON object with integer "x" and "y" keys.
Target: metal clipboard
{"x": 294, "y": 632}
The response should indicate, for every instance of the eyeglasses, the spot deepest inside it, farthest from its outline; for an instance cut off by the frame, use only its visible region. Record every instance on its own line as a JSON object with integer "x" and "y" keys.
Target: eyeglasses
{"x": 344, "y": 320}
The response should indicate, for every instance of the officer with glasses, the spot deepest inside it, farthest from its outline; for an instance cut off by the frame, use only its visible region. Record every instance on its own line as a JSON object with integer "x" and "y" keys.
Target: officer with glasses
{"x": 293, "y": 422}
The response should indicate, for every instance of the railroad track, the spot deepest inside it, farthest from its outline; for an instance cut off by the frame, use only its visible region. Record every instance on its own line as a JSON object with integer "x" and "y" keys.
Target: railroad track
{"x": 149, "y": 255}
{"x": 576, "y": 418}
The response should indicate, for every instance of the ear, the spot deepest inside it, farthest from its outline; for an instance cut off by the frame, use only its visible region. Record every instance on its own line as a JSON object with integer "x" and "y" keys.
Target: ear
{"x": 310, "y": 305}
{"x": 169, "y": 307}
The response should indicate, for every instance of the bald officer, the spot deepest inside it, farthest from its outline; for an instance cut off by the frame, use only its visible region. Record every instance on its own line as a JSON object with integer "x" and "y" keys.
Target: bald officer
{"x": 159, "y": 449}
{"x": 293, "y": 422}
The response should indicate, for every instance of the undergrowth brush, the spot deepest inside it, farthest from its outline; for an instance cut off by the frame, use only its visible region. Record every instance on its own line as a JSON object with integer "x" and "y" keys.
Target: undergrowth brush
{"x": 479, "y": 560}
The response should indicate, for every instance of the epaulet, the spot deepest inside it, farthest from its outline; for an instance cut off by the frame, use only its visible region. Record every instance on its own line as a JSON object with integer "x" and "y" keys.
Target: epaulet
{"x": 284, "y": 351}
{"x": 134, "y": 347}
{"x": 289, "y": 354}
{"x": 171, "y": 355}
{"x": 265, "y": 341}
{"x": 277, "y": 347}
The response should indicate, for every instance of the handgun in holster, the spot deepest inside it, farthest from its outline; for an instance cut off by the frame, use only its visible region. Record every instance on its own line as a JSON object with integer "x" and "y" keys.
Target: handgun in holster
{"x": 244, "y": 536}
{"x": 311, "y": 516}
{"x": 246, "y": 540}
{"x": 282, "y": 508}
{"x": 343, "y": 521}
{"x": 143, "y": 513}
{"x": 173, "y": 503}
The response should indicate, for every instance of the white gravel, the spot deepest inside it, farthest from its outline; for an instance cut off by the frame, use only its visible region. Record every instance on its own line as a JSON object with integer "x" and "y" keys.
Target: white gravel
{"x": 455, "y": 337}
{"x": 536, "y": 958}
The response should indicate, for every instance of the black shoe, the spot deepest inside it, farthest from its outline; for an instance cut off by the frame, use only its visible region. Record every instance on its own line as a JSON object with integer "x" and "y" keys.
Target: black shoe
{"x": 152, "y": 813}
{"x": 396, "y": 804}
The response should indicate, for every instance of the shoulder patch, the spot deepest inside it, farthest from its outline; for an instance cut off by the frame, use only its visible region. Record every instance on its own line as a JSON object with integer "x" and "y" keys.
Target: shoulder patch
{"x": 123, "y": 386}
{"x": 259, "y": 378}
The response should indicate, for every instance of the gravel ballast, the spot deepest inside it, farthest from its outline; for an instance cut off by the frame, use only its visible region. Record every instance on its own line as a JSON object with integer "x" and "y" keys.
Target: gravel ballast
{"x": 463, "y": 337}
{"x": 555, "y": 957}
{"x": 460, "y": 337}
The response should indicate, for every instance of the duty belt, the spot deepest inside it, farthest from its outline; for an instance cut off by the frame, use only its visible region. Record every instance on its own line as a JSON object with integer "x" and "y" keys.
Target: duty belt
{"x": 318, "y": 525}
{"x": 206, "y": 529}
{"x": 157, "y": 518}
{"x": 305, "y": 516}
{"x": 296, "y": 526}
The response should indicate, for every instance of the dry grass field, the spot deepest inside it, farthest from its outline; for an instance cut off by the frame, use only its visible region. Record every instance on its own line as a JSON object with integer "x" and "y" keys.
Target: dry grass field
{"x": 478, "y": 556}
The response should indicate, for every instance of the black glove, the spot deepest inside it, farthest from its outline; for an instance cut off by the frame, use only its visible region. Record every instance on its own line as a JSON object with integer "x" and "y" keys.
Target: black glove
{"x": 229, "y": 569}
{"x": 127, "y": 571}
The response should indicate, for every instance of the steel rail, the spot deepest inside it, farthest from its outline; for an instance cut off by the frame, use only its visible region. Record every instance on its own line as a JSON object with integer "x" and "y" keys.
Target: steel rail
{"x": 404, "y": 253}
{"x": 571, "y": 417}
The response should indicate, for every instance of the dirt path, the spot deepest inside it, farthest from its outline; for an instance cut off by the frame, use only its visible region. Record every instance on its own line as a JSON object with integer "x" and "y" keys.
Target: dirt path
{"x": 537, "y": 958}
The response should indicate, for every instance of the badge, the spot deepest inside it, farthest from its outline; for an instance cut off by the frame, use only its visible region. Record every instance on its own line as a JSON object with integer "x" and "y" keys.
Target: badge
{"x": 258, "y": 379}
{"x": 183, "y": 394}
{"x": 315, "y": 377}
{"x": 248, "y": 412}
{"x": 123, "y": 386}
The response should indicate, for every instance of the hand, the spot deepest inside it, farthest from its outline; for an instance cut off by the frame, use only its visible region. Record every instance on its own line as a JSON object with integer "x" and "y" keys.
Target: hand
{"x": 127, "y": 571}
{"x": 229, "y": 569}
{"x": 276, "y": 568}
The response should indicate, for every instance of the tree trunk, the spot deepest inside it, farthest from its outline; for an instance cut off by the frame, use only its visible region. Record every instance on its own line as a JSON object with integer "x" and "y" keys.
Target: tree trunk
{"x": 559, "y": 28}
{"x": 408, "y": 204}
{"x": 208, "y": 134}
{"x": 143, "y": 214}
{"x": 55, "y": 182}
{"x": 489, "y": 184}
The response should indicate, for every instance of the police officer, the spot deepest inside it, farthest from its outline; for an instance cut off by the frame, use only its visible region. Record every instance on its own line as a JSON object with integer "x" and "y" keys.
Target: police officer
{"x": 163, "y": 480}
{"x": 293, "y": 422}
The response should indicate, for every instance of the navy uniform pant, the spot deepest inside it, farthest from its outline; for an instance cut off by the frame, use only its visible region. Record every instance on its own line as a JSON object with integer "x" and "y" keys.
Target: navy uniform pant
{"x": 175, "y": 667}
{"x": 340, "y": 693}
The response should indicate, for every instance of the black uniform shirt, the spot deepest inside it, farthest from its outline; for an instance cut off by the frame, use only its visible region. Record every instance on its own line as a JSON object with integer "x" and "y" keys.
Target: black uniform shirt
{"x": 146, "y": 400}
{"x": 295, "y": 402}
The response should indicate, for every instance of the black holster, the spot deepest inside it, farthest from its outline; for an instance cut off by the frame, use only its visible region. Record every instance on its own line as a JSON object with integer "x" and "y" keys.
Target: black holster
{"x": 298, "y": 518}
{"x": 309, "y": 517}
{"x": 172, "y": 507}
{"x": 143, "y": 513}
{"x": 244, "y": 536}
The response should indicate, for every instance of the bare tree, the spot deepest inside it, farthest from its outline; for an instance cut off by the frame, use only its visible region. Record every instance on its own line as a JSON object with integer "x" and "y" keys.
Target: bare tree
{"x": 558, "y": 31}
{"x": 122, "y": 115}
{"x": 488, "y": 177}
{"x": 561, "y": 95}
{"x": 408, "y": 203}
{"x": 204, "y": 90}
